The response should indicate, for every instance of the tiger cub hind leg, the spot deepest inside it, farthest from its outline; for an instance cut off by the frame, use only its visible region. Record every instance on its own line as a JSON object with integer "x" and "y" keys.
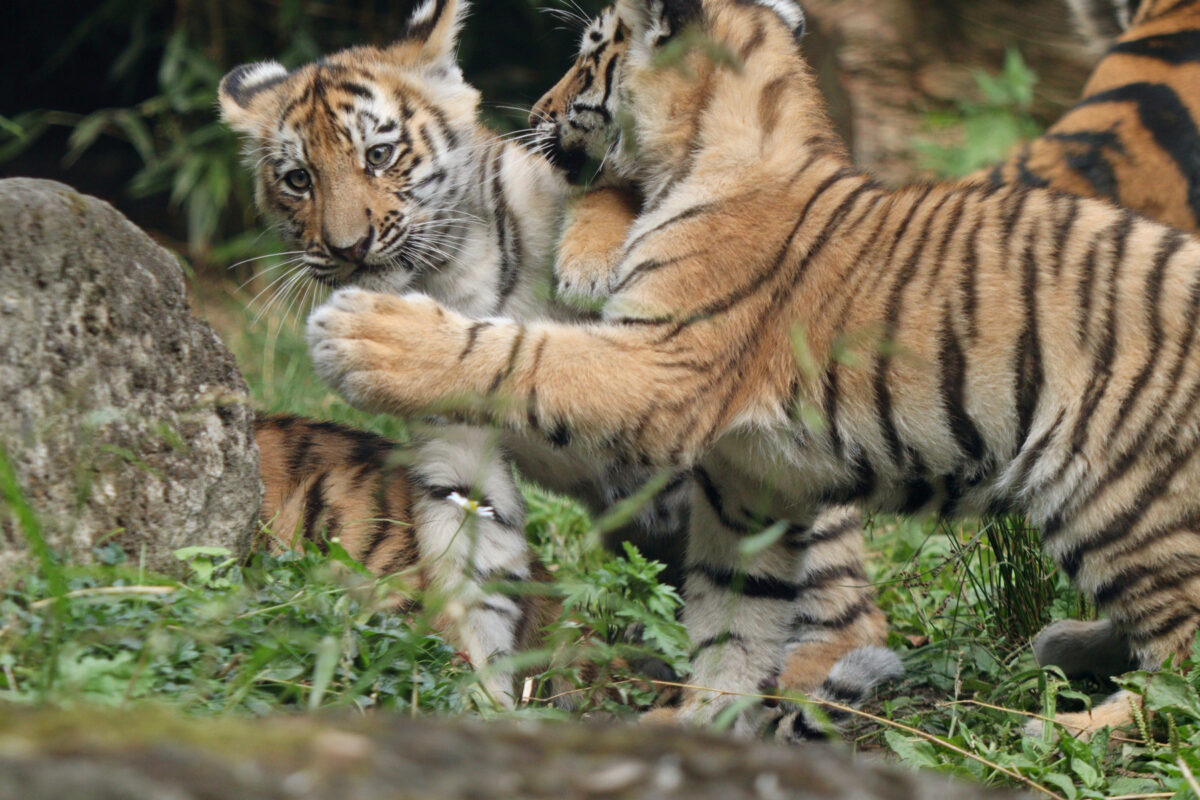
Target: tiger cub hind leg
{"x": 1084, "y": 649}
{"x": 1144, "y": 575}
{"x": 432, "y": 507}
{"x": 592, "y": 243}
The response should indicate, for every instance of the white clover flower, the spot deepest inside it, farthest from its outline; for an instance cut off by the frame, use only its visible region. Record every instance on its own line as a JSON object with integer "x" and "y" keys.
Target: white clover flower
{"x": 471, "y": 506}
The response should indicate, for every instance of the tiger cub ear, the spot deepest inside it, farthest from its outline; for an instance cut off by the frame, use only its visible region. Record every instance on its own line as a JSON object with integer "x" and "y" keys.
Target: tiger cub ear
{"x": 431, "y": 38}
{"x": 245, "y": 92}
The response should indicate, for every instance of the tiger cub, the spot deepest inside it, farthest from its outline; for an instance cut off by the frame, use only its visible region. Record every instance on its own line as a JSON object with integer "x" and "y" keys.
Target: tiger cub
{"x": 834, "y": 612}
{"x": 1133, "y": 137}
{"x": 577, "y": 117}
{"x": 970, "y": 349}
{"x": 374, "y": 164}
{"x": 1137, "y": 109}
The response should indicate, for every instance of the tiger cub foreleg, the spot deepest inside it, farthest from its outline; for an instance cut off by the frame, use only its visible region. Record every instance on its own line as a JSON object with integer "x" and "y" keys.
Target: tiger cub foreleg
{"x": 468, "y": 518}
{"x": 835, "y": 610}
{"x": 592, "y": 243}
{"x": 836, "y": 651}
{"x": 738, "y": 604}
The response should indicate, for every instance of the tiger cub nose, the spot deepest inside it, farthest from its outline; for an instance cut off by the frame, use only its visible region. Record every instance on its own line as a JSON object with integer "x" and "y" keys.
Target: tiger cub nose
{"x": 356, "y": 252}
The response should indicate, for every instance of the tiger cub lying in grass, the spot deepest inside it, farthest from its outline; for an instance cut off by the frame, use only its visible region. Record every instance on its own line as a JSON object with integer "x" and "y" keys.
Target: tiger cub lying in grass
{"x": 375, "y": 165}
{"x": 965, "y": 349}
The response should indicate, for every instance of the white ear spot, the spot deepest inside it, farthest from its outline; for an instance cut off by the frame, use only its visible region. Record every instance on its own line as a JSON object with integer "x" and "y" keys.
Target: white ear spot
{"x": 244, "y": 82}
{"x": 424, "y": 13}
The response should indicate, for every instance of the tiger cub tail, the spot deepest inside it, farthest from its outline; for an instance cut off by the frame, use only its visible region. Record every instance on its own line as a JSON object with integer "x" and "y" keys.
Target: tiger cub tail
{"x": 849, "y": 683}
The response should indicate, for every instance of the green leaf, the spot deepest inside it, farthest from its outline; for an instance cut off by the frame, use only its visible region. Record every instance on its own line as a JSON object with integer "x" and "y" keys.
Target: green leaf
{"x": 1168, "y": 691}
{"x": 912, "y": 751}
{"x": 1062, "y": 782}
{"x": 1089, "y": 774}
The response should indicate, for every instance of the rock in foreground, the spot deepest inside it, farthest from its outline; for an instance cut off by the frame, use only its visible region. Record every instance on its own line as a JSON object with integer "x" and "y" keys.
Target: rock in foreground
{"x": 146, "y": 756}
{"x": 125, "y": 417}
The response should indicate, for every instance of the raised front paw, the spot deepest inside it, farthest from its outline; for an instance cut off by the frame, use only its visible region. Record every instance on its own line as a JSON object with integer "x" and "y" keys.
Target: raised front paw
{"x": 592, "y": 243}
{"x": 585, "y": 276}
{"x": 384, "y": 353}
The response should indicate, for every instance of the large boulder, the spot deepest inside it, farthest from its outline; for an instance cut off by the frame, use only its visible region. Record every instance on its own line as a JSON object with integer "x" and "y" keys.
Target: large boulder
{"x": 124, "y": 417}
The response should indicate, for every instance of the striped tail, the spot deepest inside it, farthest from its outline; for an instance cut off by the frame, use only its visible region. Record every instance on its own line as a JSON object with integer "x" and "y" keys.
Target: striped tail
{"x": 850, "y": 682}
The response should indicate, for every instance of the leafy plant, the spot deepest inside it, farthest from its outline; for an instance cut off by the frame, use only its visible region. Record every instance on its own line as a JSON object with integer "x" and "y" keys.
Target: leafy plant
{"x": 986, "y": 129}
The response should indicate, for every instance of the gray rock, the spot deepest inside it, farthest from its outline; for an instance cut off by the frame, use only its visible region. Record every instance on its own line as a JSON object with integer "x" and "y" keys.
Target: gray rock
{"x": 51, "y": 755}
{"x": 124, "y": 417}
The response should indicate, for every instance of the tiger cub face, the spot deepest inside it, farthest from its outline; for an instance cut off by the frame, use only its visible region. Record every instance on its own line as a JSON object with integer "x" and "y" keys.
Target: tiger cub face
{"x": 577, "y": 118}
{"x": 581, "y": 114}
{"x": 355, "y": 155}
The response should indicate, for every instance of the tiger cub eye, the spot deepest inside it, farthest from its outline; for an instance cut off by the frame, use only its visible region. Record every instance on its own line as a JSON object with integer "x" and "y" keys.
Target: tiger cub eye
{"x": 298, "y": 179}
{"x": 379, "y": 154}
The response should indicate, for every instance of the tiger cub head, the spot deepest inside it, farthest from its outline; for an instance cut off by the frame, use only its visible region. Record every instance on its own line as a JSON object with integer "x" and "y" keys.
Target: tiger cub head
{"x": 359, "y": 156}
{"x": 577, "y": 118}
{"x": 627, "y": 51}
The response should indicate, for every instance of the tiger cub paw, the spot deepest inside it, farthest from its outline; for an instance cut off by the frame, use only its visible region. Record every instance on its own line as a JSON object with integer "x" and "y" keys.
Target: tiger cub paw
{"x": 590, "y": 250}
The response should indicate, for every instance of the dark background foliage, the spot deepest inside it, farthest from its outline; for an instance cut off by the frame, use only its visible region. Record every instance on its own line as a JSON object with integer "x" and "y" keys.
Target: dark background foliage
{"x": 117, "y": 97}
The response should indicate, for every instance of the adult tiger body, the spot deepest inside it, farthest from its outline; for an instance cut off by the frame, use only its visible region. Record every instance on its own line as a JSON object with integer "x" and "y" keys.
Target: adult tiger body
{"x": 374, "y": 163}
{"x": 971, "y": 349}
{"x": 1133, "y": 136}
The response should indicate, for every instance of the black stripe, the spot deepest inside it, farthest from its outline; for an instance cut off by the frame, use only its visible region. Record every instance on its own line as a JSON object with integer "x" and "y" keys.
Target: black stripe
{"x": 1065, "y": 225}
{"x": 357, "y": 89}
{"x": 801, "y": 730}
{"x": 314, "y": 503}
{"x": 651, "y": 265}
{"x": 953, "y": 368}
{"x": 883, "y": 394}
{"x": 713, "y": 496}
{"x": 422, "y": 30}
{"x": 511, "y": 364}
{"x": 686, "y": 214}
{"x": 819, "y": 534}
{"x": 835, "y": 574}
{"x": 1168, "y": 246}
{"x": 1086, "y": 156}
{"x": 472, "y": 336}
{"x": 298, "y": 458}
{"x": 1107, "y": 350}
{"x": 843, "y": 693}
{"x": 1180, "y": 47}
{"x": 1169, "y": 121}
{"x": 1028, "y": 375}
{"x": 728, "y": 637}
{"x": 1162, "y": 578}
{"x": 969, "y": 283}
{"x": 841, "y": 620}
{"x": 758, "y": 587}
